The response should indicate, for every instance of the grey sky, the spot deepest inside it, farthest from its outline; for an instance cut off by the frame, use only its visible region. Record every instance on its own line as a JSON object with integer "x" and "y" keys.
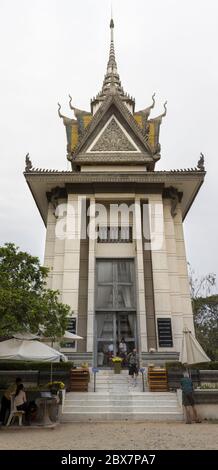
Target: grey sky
{"x": 50, "y": 48}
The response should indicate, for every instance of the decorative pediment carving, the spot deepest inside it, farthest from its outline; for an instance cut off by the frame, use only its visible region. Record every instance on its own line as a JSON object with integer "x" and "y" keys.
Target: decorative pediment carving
{"x": 113, "y": 138}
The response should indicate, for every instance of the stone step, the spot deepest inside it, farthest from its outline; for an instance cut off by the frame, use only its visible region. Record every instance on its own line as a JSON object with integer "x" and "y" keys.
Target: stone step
{"x": 132, "y": 408}
{"x": 121, "y": 402}
{"x": 121, "y": 416}
{"x": 80, "y": 403}
{"x": 143, "y": 395}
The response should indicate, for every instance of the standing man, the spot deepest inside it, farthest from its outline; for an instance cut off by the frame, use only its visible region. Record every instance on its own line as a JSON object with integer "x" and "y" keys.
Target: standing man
{"x": 188, "y": 399}
{"x": 133, "y": 362}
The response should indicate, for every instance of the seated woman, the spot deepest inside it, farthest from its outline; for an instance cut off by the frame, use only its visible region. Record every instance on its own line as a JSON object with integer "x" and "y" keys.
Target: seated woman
{"x": 20, "y": 402}
{"x": 6, "y": 400}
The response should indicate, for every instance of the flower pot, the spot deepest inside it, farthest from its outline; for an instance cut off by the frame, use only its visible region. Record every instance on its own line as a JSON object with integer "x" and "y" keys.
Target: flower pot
{"x": 117, "y": 367}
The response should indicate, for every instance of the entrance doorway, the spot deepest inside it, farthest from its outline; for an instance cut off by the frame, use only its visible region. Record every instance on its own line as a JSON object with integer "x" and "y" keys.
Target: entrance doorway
{"x": 111, "y": 328}
{"x": 115, "y": 315}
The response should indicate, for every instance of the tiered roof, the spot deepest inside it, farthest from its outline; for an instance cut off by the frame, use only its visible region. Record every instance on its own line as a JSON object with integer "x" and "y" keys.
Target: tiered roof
{"x": 80, "y": 128}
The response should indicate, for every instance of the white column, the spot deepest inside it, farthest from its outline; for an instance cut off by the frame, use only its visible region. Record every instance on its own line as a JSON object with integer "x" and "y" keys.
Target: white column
{"x": 56, "y": 277}
{"x": 71, "y": 260}
{"x": 159, "y": 261}
{"x": 140, "y": 285}
{"x": 183, "y": 272}
{"x": 49, "y": 245}
{"x": 175, "y": 292}
{"x": 91, "y": 278}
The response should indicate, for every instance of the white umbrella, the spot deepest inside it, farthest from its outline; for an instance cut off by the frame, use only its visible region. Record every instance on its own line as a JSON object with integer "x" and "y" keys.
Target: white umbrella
{"x": 29, "y": 350}
{"x": 191, "y": 352}
{"x": 67, "y": 336}
{"x": 25, "y": 335}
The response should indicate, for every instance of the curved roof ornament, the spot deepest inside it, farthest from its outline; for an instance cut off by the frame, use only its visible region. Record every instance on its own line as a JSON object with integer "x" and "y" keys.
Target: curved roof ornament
{"x": 165, "y": 109}
{"x": 149, "y": 108}
{"x": 77, "y": 111}
{"x": 59, "y": 111}
{"x": 201, "y": 162}
{"x": 159, "y": 118}
{"x": 28, "y": 163}
{"x": 70, "y": 102}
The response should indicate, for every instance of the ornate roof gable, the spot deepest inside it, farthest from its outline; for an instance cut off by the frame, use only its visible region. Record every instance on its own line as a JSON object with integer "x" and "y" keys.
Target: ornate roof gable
{"x": 113, "y": 129}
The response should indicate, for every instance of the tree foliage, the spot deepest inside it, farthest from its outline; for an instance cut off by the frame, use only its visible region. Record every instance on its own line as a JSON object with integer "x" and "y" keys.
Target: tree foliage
{"x": 25, "y": 302}
{"x": 205, "y": 310}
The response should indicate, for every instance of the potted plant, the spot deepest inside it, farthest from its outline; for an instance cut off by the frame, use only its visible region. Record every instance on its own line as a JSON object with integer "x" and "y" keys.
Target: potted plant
{"x": 117, "y": 361}
{"x": 55, "y": 387}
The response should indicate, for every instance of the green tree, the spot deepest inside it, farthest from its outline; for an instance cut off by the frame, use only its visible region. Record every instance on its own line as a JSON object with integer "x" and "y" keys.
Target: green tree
{"x": 25, "y": 302}
{"x": 205, "y": 310}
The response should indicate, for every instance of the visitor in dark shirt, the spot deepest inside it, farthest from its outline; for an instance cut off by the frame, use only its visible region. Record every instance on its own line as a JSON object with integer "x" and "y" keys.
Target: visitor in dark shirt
{"x": 188, "y": 399}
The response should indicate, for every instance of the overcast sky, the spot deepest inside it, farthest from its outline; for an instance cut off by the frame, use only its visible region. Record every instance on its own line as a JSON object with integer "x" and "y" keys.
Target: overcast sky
{"x": 49, "y": 48}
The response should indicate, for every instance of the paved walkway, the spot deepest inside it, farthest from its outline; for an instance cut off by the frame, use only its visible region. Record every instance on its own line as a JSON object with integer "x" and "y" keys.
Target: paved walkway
{"x": 113, "y": 436}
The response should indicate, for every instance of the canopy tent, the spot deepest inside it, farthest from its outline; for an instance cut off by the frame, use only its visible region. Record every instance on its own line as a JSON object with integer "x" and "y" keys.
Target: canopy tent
{"x": 28, "y": 350}
{"x": 191, "y": 352}
{"x": 67, "y": 336}
{"x": 25, "y": 335}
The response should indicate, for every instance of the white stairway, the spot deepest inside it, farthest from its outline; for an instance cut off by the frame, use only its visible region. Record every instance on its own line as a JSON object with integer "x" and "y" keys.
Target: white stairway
{"x": 117, "y": 399}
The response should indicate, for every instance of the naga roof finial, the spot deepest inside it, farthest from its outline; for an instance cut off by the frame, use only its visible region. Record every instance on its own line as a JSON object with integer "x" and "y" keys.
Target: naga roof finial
{"x": 201, "y": 165}
{"x": 149, "y": 108}
{"x": 59, "y": 111}
{"x": 70, "y": 102}
{"x": 159, "y": 118}
{"x": 165, "y": 109}
{"x": 28, "y": 162}
{"x": 77, "y": 111}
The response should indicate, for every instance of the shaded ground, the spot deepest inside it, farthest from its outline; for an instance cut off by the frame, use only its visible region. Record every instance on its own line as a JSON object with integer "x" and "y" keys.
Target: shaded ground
{"x": 113, "y": 436}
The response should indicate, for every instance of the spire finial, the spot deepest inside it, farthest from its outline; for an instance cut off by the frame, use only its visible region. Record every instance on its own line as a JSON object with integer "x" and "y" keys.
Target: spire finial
{"x": 112, "y": 66}
{"x": 112, "y": 20}
{"x": 112, "y": 83}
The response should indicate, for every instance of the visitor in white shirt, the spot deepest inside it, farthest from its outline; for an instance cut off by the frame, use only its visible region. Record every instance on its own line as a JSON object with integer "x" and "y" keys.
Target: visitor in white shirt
{"x": 20, "y": 402}
{"x": 123, "y": 347}
{"x": 111, "y": 348}
{"x": 123, "y": 351}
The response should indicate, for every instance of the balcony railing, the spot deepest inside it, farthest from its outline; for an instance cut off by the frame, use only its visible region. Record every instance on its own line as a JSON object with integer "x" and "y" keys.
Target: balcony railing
{"x": 115, "y": 235}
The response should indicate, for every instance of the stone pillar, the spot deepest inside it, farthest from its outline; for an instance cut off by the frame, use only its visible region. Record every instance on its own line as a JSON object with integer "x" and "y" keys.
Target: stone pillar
{"x": 91, "y": 277}
{"x": 148, "y": 279}
{"x": 159, "y": 261}
{"x": 71, "y": 259}
{"x": 56, "y": 277}
{"x": 50, "y": 244}
{"x": 183, "y": 272}
{"x": 175, "y": 291}
{"x": 83, "y": 282}
{"x": 140, "y": 285}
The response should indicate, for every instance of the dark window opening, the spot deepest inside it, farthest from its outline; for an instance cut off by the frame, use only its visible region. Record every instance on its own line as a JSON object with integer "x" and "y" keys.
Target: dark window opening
{"x": 71, "y": 327}
{"x": 165, "y": 332}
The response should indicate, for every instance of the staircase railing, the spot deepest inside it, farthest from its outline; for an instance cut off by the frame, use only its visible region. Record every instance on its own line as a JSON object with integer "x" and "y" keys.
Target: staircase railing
{"x": 95, "y": 371}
